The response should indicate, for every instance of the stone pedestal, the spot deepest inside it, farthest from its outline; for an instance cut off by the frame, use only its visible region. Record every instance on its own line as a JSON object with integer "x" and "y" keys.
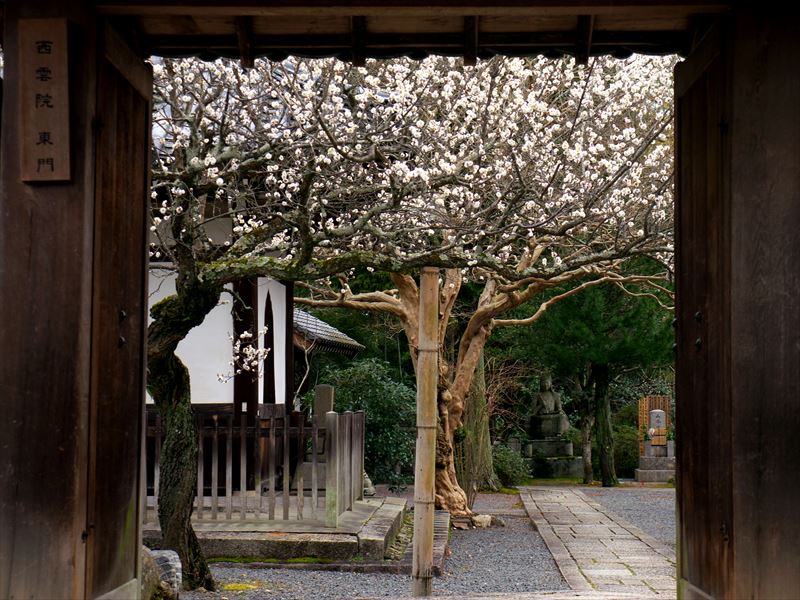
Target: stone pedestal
{"x": 552, "y": 447}
{"x": 656, "y": 469}
{"x": 549, "y": 425}
{"x": 552, "y": 454}
{"x": 563, "y": 467}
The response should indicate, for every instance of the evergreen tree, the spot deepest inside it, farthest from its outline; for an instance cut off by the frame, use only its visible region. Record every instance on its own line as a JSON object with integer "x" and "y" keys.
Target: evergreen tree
{"x": 588, "y": 340}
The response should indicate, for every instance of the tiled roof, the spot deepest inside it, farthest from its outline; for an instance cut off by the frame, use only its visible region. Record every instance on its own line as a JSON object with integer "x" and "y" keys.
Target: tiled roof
{"x": 324, "y": 336}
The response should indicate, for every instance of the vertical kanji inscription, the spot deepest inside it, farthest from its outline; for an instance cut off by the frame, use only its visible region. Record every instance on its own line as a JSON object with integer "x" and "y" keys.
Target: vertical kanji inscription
{"x": 44, "y": 100}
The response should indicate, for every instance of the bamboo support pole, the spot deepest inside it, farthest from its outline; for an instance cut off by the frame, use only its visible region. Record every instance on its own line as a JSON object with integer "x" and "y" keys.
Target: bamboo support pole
{"x": 424, "y": 472}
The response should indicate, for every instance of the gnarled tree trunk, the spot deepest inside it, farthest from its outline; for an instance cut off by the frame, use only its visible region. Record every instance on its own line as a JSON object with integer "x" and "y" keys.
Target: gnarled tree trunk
{"x": 605, "y": 435}
{"x": 178, "y": 474}
{"x": 168, "y": 384}
{"x": 449, "y": 495}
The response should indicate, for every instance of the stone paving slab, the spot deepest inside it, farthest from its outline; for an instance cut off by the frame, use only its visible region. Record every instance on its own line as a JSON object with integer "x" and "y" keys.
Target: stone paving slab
{"x": 366, "y": 530}
{"x": 596, "y": 550}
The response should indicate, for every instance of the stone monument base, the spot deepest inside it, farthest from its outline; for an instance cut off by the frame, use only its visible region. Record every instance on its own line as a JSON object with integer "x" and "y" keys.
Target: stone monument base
{"x": 552, "y": 447}
{"x": 655, "y": 469}
{"x": 561, "y": 467}
{"x": 547, "y": 426}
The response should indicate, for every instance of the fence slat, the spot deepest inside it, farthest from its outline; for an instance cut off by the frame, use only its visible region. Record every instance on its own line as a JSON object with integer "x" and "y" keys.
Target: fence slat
{"x": 272, "y": 427}
{"x": 341, "y": 455}
{"x": 199, "y": 495}
{"x": 346, "y": 461}
{"x": 353, "y": 460}
{"x": 331, "y": 469}
{"x": 314, "y": 463}
{"x": 285, "y": 452}
{"x": 215, "y": 470}
{"x": 301, "y": 458}
{"x": 243, "y": 465}
{"x": 357, "y": 457}
{"x": 229, "y": 470}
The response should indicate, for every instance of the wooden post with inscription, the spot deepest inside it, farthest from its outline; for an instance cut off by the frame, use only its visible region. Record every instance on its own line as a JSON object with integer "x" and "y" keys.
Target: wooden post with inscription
{"x": 74, "y": 168}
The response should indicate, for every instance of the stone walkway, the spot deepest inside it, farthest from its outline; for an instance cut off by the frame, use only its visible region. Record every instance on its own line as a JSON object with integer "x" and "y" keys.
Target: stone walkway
{"x": 597, "y": 550}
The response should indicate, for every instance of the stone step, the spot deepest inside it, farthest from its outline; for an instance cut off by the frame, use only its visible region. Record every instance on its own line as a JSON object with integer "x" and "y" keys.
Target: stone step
{"x": 379, "y": 532}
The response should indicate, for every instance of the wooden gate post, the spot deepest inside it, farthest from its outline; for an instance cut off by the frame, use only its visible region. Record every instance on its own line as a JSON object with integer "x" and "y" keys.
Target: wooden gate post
{"x": 425, "y": 469}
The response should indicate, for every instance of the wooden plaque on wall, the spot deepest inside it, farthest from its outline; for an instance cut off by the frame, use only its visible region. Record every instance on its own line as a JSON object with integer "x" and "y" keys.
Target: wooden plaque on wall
{"x": 44, "y": 100}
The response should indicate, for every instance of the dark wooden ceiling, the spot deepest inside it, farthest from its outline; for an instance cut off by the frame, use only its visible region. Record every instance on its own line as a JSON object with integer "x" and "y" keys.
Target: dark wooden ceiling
{"x": 355, "y": 30}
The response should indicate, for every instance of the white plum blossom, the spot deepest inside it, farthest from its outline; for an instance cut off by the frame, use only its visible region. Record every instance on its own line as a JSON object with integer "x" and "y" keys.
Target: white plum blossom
{"x": 403, "y": 162}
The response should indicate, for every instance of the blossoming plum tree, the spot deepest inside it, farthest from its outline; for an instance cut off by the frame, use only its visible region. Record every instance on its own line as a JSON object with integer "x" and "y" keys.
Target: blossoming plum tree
{"x": 522, "y": 174}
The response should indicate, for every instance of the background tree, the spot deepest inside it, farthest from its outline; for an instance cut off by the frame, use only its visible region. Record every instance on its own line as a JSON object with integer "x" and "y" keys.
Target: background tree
{"x": 593, "y": 190}
{"x": 590, "y": 339}
{"x": 526, "y": 173}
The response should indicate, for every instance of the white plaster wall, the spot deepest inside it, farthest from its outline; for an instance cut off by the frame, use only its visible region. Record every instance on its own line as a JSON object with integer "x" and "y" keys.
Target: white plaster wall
{"x": 277, "y": 295}
{"x": 206, "y": 350}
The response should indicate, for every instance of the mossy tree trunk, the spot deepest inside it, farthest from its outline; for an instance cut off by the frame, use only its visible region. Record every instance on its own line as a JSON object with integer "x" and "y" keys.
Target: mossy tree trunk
{"x": 474, "y": 467}
{"x": 168, "y": 384}
{"x": 605, "y": 435}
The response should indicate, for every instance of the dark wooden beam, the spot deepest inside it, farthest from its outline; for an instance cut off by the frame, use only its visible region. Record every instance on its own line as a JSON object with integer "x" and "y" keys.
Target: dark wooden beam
{"x": 453, "y": 43}
{"x": 470, "y": 41}
{"x": 410, "y": 7}
{"x": 244, "y": 36}
{"x": 358, "y": 32}
{"x": 584, "y": 42}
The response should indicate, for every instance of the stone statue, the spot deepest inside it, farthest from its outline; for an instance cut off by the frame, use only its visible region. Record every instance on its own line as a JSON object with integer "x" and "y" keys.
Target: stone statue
{"x": 546, "y": 402}
{"x": 552, "y": 453}
{"x": 548, "y": 418}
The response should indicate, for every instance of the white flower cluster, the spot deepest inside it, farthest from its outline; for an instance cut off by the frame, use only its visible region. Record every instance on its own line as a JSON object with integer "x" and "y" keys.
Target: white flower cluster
{"x": 248, "y": 355}
{"x": 485, "y": 165}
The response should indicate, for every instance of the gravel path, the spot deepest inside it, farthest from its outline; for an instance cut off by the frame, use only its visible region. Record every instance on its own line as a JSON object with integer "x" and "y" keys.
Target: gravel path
{"x": 651, "y": 509}
{"x": 500, "y": 559}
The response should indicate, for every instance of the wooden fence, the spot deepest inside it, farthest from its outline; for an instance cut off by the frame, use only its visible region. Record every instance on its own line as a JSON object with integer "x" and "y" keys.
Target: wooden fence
{"x": 646, "y": 404}
{"x": 282, "y": 467}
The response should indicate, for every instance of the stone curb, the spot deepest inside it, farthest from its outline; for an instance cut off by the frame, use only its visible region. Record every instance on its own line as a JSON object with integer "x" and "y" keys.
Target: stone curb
{"x": 441, "y": 537}
{"x": 379, "y": 532}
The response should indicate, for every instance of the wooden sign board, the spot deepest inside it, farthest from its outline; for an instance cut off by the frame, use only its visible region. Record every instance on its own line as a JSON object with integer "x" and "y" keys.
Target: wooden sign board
{"x": 44, "y": 100}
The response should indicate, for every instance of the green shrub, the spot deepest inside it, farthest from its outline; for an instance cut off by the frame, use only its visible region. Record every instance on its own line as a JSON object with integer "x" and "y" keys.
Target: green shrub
{"x": 573, "y": 434}
{"x": 389, "y": 408}
{"x": 509, "y": 466}
{"x": 626, "y": 450}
